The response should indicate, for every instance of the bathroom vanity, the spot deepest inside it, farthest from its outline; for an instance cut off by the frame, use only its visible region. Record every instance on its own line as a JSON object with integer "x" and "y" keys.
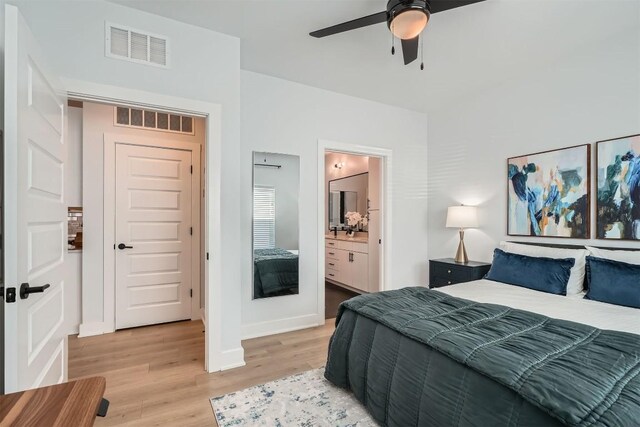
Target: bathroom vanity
{"x": 347, "y": 261}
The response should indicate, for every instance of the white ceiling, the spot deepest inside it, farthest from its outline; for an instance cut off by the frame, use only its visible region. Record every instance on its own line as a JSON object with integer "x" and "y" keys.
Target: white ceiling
{"x": 466, "y": 49}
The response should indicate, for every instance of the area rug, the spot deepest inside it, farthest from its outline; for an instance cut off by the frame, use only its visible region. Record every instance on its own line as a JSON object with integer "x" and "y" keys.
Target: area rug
{"x": 304, "y": 400}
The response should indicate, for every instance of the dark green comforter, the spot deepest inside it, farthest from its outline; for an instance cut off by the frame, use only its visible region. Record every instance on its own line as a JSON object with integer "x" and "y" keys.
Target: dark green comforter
{"x": 275, "y": 272}
{"x": 421, "y": 357}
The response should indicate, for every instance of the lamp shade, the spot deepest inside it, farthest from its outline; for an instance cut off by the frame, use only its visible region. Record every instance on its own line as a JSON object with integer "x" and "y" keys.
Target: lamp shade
{"x": 462, "y": 217}
{"x": 409, "y": 24}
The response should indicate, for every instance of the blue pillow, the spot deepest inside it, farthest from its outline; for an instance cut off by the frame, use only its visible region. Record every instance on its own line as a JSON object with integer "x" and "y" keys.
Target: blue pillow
{"x": 538, "y": 273}
{"x": 614, "y": 282}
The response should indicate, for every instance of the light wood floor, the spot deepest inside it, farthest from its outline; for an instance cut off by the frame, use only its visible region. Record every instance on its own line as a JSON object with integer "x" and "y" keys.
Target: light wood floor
{"x": 155, "y": 375}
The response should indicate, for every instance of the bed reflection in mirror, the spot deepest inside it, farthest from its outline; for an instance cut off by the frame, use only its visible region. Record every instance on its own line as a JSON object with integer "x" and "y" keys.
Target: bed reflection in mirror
{"x": 276, "y": 184}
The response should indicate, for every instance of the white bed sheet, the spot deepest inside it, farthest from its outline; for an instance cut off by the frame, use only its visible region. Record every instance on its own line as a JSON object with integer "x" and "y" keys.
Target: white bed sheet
{"x": 573, "y": 308}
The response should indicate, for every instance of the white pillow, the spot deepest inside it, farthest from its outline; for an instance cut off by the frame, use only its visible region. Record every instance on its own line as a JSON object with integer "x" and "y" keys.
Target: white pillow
{"x": 630, "y": 257}
{"x": 576, "y": 279}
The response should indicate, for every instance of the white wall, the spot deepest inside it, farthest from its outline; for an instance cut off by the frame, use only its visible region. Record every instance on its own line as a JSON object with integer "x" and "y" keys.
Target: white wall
{"x": 284, "y": 117}
{"x": 286, "y": 181}
{"x": 205, "y": 66}
{"x": 589, "y": 96}
{"x": 97, "y": 119}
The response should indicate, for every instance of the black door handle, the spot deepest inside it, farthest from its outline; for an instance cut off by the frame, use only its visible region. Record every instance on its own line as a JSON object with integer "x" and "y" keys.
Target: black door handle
{"x": 122, "y": 246}
{"x": 25, "y": 290}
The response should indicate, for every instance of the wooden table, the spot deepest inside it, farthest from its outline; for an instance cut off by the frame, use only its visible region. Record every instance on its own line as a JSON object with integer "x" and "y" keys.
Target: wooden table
{"x": 69, "y": 404}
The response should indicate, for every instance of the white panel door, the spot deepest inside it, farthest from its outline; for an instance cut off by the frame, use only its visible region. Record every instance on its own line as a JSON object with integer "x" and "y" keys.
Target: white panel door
{"x": 153, "y": 235}
{"x": 35, "y": 215}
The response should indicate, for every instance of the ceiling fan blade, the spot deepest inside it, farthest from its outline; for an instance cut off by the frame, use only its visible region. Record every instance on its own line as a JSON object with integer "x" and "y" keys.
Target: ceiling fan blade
{"x": 442, "y": 5}
{"x": 376, "y": 18}
{"x": 410, "y": 50}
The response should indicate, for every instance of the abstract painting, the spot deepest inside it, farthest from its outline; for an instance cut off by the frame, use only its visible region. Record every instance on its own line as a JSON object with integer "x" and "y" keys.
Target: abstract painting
{"x": 618, "y": 203}
{"x": 549, "y": 193}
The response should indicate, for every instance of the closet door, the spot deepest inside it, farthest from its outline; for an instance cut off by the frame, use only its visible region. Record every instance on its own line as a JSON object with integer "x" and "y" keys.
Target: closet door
{"x": 153, "y": 235}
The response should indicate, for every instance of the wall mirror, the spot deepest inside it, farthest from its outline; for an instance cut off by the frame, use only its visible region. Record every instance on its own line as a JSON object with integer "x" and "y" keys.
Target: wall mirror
{"x": 348, "y": 194}
{"x": 276, "y": 186}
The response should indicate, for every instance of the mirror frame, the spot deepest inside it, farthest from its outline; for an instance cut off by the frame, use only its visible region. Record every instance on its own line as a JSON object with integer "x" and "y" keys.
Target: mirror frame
{"x": 297, "y": 231}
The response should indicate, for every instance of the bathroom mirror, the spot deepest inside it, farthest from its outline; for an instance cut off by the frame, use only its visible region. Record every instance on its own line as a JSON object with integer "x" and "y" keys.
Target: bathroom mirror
{"x": 348, "y": 194}
{"x": 276, "y": 187}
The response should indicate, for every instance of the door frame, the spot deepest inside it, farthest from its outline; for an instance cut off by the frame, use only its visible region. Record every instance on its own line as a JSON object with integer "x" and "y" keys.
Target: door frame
{"x": 216, "y": 358}
{"x": 385, "y": 207}
{"x": 110, "y": 141}
{"x": 2, "y": 281}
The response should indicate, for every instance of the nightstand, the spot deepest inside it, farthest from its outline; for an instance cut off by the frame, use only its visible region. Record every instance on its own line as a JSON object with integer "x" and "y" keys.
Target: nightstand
{"x": 445, "y": 271}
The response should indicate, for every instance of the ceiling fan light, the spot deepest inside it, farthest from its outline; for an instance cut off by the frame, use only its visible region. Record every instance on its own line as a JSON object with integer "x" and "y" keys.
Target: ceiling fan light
{"x": 409, "y": 24}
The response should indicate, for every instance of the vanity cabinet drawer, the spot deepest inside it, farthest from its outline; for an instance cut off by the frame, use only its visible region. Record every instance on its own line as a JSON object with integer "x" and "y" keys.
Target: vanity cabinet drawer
{"x": 333, "y": 275}
{"x": 336, "y": 254}
{"x": 338, "y": 276}
{"x": 332, "y": 264}
{"x": 337, "y": 244}
{"x": 347, "y": 245}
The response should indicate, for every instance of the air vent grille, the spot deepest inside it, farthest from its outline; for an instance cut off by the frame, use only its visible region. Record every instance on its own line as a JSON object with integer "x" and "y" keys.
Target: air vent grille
{"x": 136, "y": 46}
{"x": 119, "y": 42}
{"x": 157, "y": 50}
{"x": 153, "y": 120}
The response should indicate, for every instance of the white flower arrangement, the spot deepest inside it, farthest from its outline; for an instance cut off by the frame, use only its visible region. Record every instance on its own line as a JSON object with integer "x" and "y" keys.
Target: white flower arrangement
{"x": 355, "y": 218}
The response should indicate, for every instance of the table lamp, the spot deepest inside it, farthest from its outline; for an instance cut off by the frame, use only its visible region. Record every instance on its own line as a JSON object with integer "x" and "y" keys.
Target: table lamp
{"x": 462, "y": 217}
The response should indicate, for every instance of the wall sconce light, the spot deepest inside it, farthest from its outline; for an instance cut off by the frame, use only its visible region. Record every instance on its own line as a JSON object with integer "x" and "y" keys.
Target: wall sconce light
{"x": 339, "y": 165}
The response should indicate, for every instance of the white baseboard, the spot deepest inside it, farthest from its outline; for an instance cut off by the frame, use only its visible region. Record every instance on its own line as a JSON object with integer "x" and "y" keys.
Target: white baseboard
{"x": 272, "y": 327}
{"x": 232, "y": 359}
{"x": 91, "y": 329}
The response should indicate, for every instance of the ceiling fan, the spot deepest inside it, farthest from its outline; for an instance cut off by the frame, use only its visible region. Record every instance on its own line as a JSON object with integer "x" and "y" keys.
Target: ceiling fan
{"x": 405, "y": 18}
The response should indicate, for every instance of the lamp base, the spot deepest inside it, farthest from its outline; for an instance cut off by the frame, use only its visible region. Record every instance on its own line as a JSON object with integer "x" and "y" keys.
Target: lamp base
{"x": 461, "y": 253}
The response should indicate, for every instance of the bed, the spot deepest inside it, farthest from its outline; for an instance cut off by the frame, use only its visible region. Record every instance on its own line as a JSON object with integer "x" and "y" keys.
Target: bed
{"x": 275, "y": 272}
{"x": 488, "y": 354}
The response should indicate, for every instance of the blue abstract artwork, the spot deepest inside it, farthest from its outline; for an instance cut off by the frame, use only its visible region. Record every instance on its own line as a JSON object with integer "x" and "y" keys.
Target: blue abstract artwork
{"x": 618, "y": 204}
{"x": 549, "y": 194}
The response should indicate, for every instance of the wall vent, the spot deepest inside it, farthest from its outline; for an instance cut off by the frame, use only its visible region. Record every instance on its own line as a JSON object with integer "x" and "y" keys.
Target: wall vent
{"x": 136, "y": 46}
{"x": 153, "y": 120}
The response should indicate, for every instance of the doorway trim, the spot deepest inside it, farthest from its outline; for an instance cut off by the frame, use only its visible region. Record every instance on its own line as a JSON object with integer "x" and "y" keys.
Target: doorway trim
{"x": 110, "y": 141}
{"x": 216, "y": 357}
{"x": 385, "y": 206}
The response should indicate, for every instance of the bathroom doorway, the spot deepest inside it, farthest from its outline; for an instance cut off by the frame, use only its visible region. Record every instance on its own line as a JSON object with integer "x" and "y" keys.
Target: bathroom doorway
{"x": 353, "y": 224}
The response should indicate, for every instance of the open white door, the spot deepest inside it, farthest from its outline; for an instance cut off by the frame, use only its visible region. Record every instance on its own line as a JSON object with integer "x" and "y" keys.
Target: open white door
{"x": 35, "y": 217}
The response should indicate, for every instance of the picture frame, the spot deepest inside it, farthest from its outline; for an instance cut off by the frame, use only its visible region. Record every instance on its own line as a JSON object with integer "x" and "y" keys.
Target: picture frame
{"x": 617, "y": 186}
{"x": 549, "y": 193}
